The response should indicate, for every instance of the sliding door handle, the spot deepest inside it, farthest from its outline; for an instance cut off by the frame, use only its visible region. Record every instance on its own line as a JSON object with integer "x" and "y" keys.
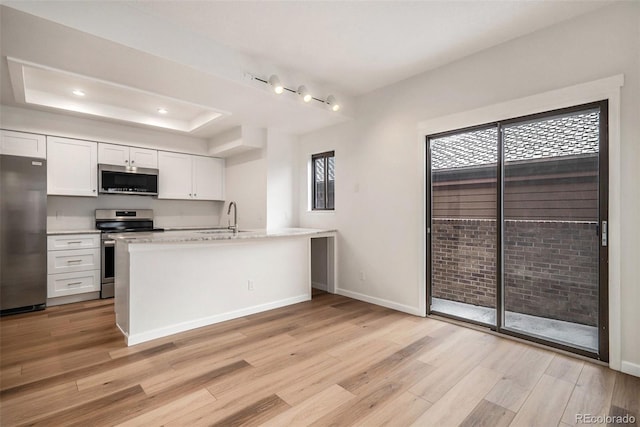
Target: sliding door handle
{"x": 604, "y": 233}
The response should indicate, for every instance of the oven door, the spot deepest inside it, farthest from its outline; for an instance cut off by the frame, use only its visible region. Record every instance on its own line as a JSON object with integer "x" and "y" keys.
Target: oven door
{"x": 108, "y": 268}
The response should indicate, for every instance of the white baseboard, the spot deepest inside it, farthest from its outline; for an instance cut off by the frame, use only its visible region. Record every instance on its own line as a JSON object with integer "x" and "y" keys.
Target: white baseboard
{"x": 379, "y": 301}
{"x": 318, "y": 285}
{"x": 126, "y": 335}
{"x": 133, "y": 339}
{"x": 630, "y": 368}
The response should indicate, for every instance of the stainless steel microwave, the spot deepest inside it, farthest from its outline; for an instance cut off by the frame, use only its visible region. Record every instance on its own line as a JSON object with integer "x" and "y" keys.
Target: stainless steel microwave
{"x": 127, "y": 180}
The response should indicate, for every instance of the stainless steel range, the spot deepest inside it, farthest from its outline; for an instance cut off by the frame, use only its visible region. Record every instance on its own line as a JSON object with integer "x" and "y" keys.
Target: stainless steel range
{"x": 111, "y": 221}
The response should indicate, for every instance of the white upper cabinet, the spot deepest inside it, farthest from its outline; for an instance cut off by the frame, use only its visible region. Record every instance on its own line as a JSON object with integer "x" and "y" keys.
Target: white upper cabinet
{"x": 143, "y": 158}
{"x": 183, "y": 176}
{"x": 174, "y": 177}
{"x": 111, "y": 154}
{"x": 208, "y": 178}
{"x": 23, "y": 144}
{"x": 72, "y": 167}
{"x": 122, "y": 155}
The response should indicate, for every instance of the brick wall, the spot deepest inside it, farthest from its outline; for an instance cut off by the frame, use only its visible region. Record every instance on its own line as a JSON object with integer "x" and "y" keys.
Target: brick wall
{"x": 551, "y": 267}
{"x": 464, "y": 261}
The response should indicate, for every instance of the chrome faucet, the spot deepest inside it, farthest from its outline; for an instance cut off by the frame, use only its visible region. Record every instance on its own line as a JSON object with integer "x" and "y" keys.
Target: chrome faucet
{"x": 233, "y": 227}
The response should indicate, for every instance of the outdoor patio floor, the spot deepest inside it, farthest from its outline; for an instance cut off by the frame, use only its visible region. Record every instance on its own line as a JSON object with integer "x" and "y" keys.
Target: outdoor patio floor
{"x": 568, "y": 333}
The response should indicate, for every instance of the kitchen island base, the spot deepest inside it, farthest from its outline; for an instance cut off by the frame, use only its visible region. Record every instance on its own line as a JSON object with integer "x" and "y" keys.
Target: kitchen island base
{"x": 166, "y": 288}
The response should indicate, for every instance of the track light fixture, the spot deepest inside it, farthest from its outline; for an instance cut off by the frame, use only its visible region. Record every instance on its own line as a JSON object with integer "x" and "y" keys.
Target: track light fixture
{"x": 302, "y": 91}
{"x": 331, "y": 102}
{"x": 274, "y": 81}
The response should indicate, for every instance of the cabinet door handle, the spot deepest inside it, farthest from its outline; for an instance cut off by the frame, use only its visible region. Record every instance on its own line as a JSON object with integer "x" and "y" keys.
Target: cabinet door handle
{"x": 126, "y": 161}
{"x": 74, "y": 283}
{"x": 195, "y": 195}
{"x": 74, "y": 242}
{"x": 73, "y": 260}
{"x": 133, "y": 161}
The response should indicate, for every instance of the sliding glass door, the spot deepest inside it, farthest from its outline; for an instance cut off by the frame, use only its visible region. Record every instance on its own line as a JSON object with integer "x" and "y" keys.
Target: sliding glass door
{"x": 463, "y": 224}
{"x": 551, "y": 228}
{"x": 517, "y": 221}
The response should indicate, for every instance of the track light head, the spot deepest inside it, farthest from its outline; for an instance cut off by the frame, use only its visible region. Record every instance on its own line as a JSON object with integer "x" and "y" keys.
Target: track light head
{"x": 331, "y": 102}
{"x": 274, "y": 81}
{"x": 304, "y": 93}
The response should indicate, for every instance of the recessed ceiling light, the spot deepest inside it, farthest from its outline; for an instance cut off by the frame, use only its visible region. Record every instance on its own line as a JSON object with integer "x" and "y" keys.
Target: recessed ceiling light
{"x": 163, "y": 110}
{"x": 78, "y": 92}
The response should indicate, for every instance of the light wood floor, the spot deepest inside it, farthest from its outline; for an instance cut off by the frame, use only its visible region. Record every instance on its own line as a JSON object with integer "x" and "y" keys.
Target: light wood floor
{"x": 331, "y": 361}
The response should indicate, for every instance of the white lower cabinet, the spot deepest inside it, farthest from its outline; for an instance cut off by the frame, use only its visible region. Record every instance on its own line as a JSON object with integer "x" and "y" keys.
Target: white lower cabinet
{"x": 73, "y": 241}
{"x": 73, "y": 266}
{"x": 73, "y": 260}
{"x": 65, "y": 284}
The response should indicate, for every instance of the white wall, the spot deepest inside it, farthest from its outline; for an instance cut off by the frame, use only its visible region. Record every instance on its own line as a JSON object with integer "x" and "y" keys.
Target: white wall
{"x": 264, "y": 183}
{"x": 380, "y": 158}
{"x": 282, "y": 183}
{"x": 246, "y": 184}
{"x": 74, "y": 213}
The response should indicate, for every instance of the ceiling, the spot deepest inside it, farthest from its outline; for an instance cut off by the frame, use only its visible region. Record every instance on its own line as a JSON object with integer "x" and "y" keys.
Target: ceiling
{"x": 203, "y": 53}
{"x": 363, "y": 45}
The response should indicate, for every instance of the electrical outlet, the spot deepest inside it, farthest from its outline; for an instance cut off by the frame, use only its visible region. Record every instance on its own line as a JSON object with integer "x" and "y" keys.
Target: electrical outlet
{"x": 250, "y": 285}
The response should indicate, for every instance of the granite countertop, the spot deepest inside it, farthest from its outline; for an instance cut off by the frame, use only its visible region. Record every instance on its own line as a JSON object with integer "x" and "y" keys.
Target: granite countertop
{"x": 192, "y": 236}
{"x": 190, "y": 228}
{"x": 62, "y": 232}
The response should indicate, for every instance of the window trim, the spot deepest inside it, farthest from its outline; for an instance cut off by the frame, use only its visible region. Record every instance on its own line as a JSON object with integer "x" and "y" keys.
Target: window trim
{"x": 324, "y": 155}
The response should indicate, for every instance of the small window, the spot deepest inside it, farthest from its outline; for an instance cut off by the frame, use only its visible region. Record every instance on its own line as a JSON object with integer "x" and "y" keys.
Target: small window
{"x": 323, "y": 185}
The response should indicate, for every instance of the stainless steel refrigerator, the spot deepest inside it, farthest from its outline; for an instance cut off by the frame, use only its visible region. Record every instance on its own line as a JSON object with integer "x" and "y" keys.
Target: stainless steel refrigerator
{"x": 23, "y": 234}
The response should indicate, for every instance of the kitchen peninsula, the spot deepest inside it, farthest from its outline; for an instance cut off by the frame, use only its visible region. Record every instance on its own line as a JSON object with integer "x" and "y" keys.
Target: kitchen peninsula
{"x": 180, "y": 280}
